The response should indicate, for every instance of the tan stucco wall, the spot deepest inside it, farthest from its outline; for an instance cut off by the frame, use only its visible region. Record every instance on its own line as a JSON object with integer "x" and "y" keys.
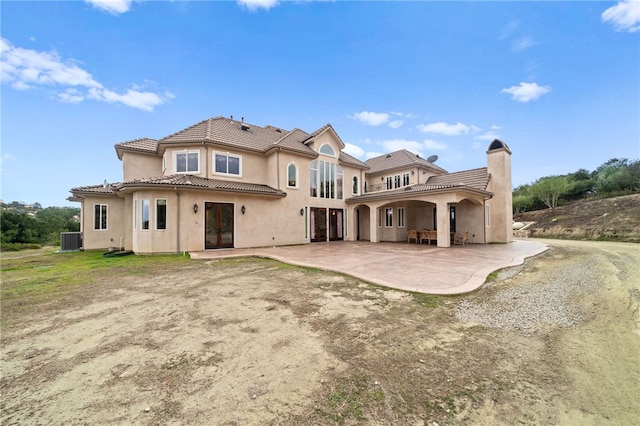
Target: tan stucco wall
{"x": 110, "y": 237}
{"x": 500, "y": 225}
{"x": 137, "y": 166}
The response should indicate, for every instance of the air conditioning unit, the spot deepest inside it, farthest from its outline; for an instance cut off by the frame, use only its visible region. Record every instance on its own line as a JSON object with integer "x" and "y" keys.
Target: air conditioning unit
{"x": 70, "y": 241}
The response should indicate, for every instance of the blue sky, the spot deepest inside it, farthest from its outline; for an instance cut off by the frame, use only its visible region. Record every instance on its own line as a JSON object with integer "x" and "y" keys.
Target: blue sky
{"x": 559, "y": 82}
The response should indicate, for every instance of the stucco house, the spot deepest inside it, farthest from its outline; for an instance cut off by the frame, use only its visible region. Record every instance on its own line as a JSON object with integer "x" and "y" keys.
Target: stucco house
{"x": 224, "y": 183}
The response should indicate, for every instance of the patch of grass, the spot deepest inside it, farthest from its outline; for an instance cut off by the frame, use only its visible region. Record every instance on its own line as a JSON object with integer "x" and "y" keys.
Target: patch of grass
{"x": 427, "y": 300}
{"x": 349, "y": 399}
{"x": 492, "y": 276}
{"x": 31, "y": 280}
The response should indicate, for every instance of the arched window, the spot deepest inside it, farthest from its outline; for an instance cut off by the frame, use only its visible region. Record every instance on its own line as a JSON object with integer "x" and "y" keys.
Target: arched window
{"x": 356, "y": 187}
{"x": 292, "y": 175}
{"x": 327, "y": 150}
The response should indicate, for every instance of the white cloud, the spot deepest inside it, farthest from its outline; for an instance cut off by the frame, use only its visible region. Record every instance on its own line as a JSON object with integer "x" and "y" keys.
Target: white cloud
{"x": 624, "y": 16}
{"x": 526, "y": 92}
{"x": 71, "y": 96}
{"x": 488, "y": 136}
{"x": 434, "y": 145}
{"x": 353, "y": 150}
{"x": 396, "y": 124}
{"x": 253, "y": 5}
{"x": 522, "y": 44}
{"x": 371, "y": 118}
{"x": 4, "y": 159}
{"x": 29, "y": 69}
{"x": 398, "y": 144}
{"x": 114, "y": 7}
{"x": 443, "y": 128}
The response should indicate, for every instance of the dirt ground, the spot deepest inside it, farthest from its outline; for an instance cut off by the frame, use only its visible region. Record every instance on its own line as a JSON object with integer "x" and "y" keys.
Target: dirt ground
{"x": 253, "y": 341}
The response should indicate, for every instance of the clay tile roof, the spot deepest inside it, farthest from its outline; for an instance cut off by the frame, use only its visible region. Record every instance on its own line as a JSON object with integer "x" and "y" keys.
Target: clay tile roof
{"x": 321, "y": 130}
{"x": 225, "y": 131}
{"x": 474, "y": 178}
{"x": 347, "y": 159}
{"x": 204, "y": 183}
{"x": 95, "y": 189}
{"x": 398, "y": 160}
{"x": 293, "y": 140}
{"x": 142, "y": 144}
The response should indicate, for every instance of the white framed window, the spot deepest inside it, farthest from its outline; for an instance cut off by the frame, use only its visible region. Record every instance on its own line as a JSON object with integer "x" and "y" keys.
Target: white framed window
{"x": 227, "y": 164}
{"x": 164, "y": 163}
{"x": 144, "y": 213}
{"x": 161, "y": 214}
{"x": 292, "y": 175}
{"x": 400, "y": 217}
{"x": 396, "y": 181}
{"x": 100, "y": 217}
{"x": 339, "y": 182}
{"x": 388, "y": 217}
{"x": 355, "y": 187}
{"x": 326, "y": 180}
{"x": 135, "y": 214}
{"x": 389, "y": 182}
{"x": 187, "y": 162}
{"x": 405, "y": 179}
{"x": 327, "y": 150}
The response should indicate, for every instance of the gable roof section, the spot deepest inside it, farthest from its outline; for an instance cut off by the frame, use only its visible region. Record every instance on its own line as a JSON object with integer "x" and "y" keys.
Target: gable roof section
{"x": 144, "y": 145}
{"x": 326, "y": 128}
{"x": 294, "y": 141}
{"x": 401, "y": 159}
{"x": 345, "y": 158}
{"x": 228, "y": 132}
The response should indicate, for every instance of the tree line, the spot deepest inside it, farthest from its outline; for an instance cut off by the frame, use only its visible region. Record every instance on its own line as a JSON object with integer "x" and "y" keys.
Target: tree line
{"x": 613, "y": 178}
{"x": 26, "y": 226}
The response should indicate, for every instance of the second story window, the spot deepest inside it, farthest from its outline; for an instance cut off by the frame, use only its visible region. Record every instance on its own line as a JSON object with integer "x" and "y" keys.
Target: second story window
{"x": 326, "y": 180}
{"x": 389, "y": 182}
{"x": 396, "y": 181}
{"x": 227, "y": 164}
{"x": 355, "y": 185}
{"x": 187, "y": 162}
{"x": 292, "y": 176}
{"x": 405, "y": 179}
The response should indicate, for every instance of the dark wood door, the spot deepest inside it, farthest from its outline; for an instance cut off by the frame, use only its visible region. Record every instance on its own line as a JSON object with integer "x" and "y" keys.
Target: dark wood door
{"x": 318, "y": 224}
{"x": 218, "y": 225}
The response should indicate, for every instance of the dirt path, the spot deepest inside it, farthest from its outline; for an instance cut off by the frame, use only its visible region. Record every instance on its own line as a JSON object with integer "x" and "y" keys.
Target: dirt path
{"x": 250, "y": 341}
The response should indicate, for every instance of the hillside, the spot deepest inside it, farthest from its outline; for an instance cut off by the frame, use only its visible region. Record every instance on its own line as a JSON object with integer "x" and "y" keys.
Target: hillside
{"x": 610, "y": 219}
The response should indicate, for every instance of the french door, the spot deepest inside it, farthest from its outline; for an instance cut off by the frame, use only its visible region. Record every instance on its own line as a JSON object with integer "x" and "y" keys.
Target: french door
{"x": 218, "y": 225}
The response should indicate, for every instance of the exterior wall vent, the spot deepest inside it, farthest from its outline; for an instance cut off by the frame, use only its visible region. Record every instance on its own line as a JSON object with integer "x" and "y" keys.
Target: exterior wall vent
{"x": 71, "y": 241}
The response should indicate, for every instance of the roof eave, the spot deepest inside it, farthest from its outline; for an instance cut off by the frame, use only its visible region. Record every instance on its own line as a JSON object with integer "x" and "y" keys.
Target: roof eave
{"x": 401, "y": 194}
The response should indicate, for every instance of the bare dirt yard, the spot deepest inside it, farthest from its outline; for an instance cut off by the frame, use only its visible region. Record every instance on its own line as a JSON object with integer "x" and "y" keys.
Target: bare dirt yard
{"x": 165, "y": 340}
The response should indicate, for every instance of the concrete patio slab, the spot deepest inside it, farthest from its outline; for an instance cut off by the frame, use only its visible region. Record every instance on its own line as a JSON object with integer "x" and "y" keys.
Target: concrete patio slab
{"x": 412, "y": 267}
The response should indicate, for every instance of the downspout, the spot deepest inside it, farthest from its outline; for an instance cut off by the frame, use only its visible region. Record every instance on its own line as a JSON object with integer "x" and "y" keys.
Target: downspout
{"x": 178, "y": 222}
{"x": 278, "y": 168}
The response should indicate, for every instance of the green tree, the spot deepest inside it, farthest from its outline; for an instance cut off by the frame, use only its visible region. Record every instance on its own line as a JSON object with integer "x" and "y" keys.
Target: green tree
{"x": 549, "y": 189}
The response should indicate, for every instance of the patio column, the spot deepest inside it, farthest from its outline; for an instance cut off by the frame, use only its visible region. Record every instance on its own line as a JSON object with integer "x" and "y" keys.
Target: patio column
{"x": 373, "y": 224}
{"x": 444, "y": 234}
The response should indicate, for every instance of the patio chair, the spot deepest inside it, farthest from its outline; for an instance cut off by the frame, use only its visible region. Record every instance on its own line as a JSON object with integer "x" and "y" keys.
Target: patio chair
{"x": 428, "y": 235}
{"x": 412, "y": 234}
{"x": 461, "y": 239}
